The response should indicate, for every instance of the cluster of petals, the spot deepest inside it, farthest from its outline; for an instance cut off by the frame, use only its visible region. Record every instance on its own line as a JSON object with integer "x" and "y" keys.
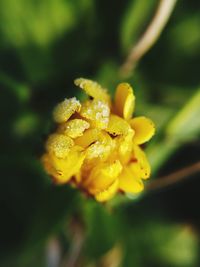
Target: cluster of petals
{"x": 96, "y": 146}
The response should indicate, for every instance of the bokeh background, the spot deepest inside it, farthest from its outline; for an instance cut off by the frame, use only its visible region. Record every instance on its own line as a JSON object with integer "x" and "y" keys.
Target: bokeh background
{"x": 44, "y": 46}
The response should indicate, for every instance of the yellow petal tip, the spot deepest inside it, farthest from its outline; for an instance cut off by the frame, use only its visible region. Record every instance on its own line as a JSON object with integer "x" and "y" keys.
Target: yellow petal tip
{"x": 124, "y": 100}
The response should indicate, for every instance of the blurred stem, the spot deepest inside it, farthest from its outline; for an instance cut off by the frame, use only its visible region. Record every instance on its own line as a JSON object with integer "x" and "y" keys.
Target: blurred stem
{"x": 78, "y": 238}
{"x": 158, "y": 184}
{"x": 149, "y": 37}
{"x": 53, "y": 253}
{"x": 174, "y": 178}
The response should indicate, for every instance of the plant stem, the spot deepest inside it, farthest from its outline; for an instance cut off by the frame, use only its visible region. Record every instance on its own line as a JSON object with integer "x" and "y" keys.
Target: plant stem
{"x": 78, "y": 237}
{"x": 158, "y": 184}
{"x": 174, "y": 178}
{"x": 149, "y": 37}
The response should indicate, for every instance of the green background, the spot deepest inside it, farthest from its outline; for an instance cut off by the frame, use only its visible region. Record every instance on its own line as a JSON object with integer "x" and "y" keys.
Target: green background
{"x": 44, "y": 46}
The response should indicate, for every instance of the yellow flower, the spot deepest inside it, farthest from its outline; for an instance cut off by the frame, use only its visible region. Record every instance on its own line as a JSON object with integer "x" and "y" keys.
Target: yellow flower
{"x": 96, "y": 146}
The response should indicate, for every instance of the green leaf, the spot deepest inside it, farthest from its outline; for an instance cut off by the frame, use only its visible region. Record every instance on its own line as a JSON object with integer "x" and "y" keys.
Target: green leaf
{"x": 183, "y": 127}
{"x": 187, "y": 44}
{"x": 186, "y": 124}
{"x": 20, "y": 90}
{"x": 25, "y": 22}
{"x": 165, "y": 244}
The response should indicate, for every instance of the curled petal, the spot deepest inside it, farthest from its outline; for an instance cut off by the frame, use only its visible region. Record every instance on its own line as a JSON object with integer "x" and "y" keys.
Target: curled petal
{"x": 130, "y": 182}
{"x": 63, "y": 169}
{"x": 97, "y": 153}
{"x": 124, "y": 146}
{"x": 93, "y": 89}
{"x": 103, "y": 176}
{"x": 117, "y": 126}
{"x": 124, "y": 101}
{"x": 144, "y": 129}
{"x": 65, "y": 109}
{"x": 99, "y": 150}
{"x": 59, "y": 145}
{"x": 97, "y": 112}
{"x": 108, "y": 193}
{"x": 47, "y": 163}
{"x": 142, "y": 162}
{"x": 98, "y": 145}
{"x": 73, "y": 128}
{"x": 89, "y": 136}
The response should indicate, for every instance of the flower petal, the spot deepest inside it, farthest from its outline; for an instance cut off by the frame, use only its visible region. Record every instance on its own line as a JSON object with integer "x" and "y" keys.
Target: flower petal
{"x": 102, "y": 176}
{"x": 63, "y": 169}
{"x": 98, "y": 152}
{"x": 108, "y": 193}
{"x": 117, "y": 126}
{"x": 144, "y": 129}
{"x": 124, "y": 101}
{"x": 73, "y": 128}
{"x": 97, "y": 112}
{"x": 59, "y": 145}
{"x": 98, "y": 145}
{"x": 129, "y": 181}
{"x": 93, "y": 89}
{"x": 65, "y": 109}
{"x": 100, "y": 149}
{"x": 89, "y": 136}
{"x": 142, "y": 162}
{"x": 125, "y": 146}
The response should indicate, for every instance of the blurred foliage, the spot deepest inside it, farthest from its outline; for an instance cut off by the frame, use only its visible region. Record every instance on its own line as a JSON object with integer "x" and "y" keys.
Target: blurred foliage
{"x": 45, "y": 45}
{"x": 38, "y": 23}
